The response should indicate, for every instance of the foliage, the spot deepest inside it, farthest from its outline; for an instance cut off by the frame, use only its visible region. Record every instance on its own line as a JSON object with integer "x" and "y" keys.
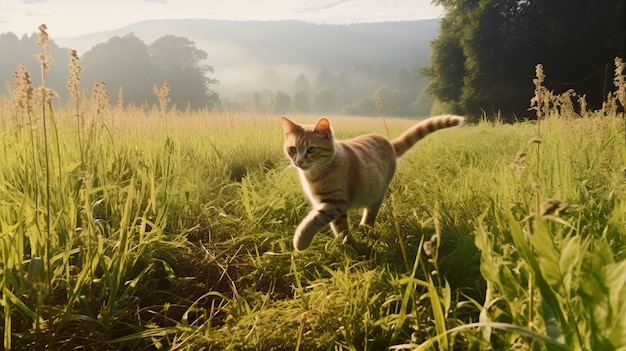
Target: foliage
{"x": 483, "y": 57}
{"x": 283, "y": 102}
{"x": 179, "y": 61}
{"x": 126, "y": 62}
{"x": 325, "y": 101}
{"x": 23, "y": 50}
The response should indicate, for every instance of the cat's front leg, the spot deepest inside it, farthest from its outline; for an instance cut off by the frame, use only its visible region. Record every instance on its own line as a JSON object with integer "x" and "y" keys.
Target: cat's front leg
{"x": 319, "y": 217}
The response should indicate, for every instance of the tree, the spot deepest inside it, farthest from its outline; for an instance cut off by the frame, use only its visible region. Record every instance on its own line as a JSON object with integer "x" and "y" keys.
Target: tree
{"x": 301, "y": 101}
{"x": 324, "y": 101}
{"x": 283, "y": 102}
{"x": 302, "y": 84}
{"x": 179, "y": 61}
{"x": 324, "y": 79}
{"x": 129, "y": 63}
{"x": 15, "y": 51}
{"x": 122, "y": 62}
{"x": 365, "y": 106}
{"x": 394, "y": 102}
{"x": 484, "y": 57}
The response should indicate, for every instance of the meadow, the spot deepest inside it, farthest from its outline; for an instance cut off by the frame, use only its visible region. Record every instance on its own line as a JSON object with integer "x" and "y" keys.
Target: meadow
{"x": 147, "y": 228}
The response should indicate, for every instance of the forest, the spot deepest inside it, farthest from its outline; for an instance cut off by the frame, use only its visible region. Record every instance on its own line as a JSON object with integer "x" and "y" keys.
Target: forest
{"x": 483, "y": 61}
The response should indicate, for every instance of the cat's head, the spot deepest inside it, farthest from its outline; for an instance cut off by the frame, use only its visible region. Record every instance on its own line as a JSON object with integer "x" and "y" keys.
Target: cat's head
{"x": 308, "y": 146}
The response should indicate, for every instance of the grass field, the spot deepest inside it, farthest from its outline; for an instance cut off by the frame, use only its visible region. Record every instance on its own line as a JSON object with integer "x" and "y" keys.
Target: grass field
{"x": 173, "y": 231}
{"x": 151, "y": 229}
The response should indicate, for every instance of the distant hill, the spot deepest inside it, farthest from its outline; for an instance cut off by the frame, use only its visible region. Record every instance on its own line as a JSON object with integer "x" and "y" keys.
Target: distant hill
{"x": 288, "y": 42}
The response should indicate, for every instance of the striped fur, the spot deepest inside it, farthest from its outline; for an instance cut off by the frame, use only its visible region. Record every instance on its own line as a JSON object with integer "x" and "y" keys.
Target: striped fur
{"x": 338, "y": 175}
{"x": 416, "y": 133}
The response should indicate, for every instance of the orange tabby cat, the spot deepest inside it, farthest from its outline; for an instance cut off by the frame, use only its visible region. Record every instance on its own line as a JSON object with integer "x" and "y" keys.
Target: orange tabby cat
{"x": 338, "y": 175}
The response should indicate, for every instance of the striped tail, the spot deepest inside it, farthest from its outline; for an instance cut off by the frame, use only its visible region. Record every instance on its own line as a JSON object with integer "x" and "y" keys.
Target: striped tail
{"x": 416, "y": 133}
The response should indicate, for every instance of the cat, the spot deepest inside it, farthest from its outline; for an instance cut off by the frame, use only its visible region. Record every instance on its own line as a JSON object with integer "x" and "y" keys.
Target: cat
{"x": 338, "y": 175}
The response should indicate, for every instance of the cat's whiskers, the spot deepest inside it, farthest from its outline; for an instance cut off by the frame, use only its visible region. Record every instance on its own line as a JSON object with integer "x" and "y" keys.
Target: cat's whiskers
{"x": 319, "y": 170}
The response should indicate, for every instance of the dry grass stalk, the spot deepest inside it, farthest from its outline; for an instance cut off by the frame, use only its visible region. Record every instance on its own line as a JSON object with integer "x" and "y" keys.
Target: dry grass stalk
{"x": 73, "y": 81}
{"x": 620, "y": 81}
{"x": 566, "y": 103}
{"x": 582, "y": 102}
{"x": 44, "y": 57}
{"x": 44, "y": 94}
{"x": 99, "y": 97}
{"x": 540, "y": 101}
{"x": 120, "y": 97}
{"x": 162, "y": 94}
{"x": 22, "y": 95}
{"x": 609, "y": 106}
{"x": 73, "y": 85}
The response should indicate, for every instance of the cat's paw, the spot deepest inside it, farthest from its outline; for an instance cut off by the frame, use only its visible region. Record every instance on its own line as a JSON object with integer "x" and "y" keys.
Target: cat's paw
{"x": 302, "y": 240}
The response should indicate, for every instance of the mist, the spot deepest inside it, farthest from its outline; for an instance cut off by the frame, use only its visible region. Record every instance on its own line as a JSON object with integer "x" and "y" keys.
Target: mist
{"x": 257, "y": 60}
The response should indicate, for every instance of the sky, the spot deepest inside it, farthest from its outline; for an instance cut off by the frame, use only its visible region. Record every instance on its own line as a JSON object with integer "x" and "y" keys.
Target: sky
{"x": 70, "y": 18}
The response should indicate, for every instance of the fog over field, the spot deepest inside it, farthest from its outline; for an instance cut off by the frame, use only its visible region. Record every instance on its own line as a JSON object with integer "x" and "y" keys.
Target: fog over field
{"x": 270, "y": 55}
{"x": 262, "y": 57}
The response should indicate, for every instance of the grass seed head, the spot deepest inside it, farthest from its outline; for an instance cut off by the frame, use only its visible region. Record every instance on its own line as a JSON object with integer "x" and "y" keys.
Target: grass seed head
{"x": 99, "y": 97}
{"x": 582, "y": 101}
{"x": 162, "y": 94}
{"x": 620, "y": 80}
{"x": 120, "y": 97}
{"x": 73, "y": 81}
{"x": 46, "y": 95}
{"x": 517, "y": 164}
{"x": 23, "y": 92}
{"x": 540, "y": 101}
{"x": 44, "y": 58}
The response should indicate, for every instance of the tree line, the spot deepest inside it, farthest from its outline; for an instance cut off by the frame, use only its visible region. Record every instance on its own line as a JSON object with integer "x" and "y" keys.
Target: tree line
{"x": 353, "y": 90}
{"x": 483, "y": 61}
{"x": 130, "y": 69}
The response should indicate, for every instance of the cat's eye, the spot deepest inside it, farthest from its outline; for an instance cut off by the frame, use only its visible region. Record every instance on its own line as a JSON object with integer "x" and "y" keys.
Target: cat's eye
{"x": 293, "y": 150}
{"x": 311, "y": 149}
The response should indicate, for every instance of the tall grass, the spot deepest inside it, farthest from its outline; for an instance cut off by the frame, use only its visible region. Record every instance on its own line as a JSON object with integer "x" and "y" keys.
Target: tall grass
{"x": 148, "y": 228}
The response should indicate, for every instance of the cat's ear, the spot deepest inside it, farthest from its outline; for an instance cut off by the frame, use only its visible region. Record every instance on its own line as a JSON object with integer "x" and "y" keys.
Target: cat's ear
{"x": 288, "y": 125}
{"x": 322, "y": 127}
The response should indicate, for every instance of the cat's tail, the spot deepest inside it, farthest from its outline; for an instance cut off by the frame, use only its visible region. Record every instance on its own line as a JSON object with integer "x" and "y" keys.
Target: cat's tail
{"x": 416, "y": 133}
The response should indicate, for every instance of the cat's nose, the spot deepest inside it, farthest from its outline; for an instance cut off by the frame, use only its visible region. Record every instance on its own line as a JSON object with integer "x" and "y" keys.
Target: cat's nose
{"x": 299, "y": 162}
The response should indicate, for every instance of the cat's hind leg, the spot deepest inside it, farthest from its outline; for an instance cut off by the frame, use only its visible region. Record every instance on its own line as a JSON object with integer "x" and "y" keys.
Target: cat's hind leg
{"x": 340, "y": 225}
{"x": 340, "y": 228}
{"x": 369, "y": 215}
{"x": 319, "y": 217}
